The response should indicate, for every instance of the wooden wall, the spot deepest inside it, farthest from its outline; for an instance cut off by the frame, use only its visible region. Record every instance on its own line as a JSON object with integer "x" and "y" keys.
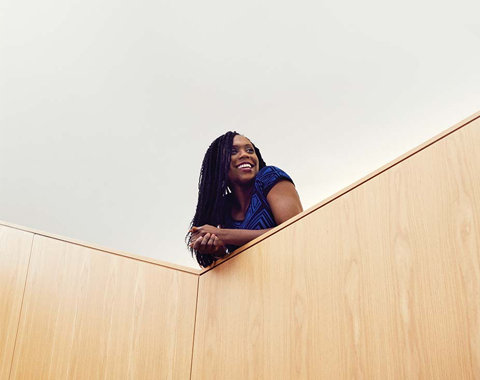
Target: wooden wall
{"x": 381, "y": 283}
{"x": 91, "y": 314}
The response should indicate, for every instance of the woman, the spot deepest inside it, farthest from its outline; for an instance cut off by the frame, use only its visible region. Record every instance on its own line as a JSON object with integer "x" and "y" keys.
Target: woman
{"x": 240, "y": 195}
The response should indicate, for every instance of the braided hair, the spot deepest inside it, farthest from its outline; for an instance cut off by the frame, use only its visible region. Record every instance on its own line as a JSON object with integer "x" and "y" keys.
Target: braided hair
{"x": 213, "y": 188}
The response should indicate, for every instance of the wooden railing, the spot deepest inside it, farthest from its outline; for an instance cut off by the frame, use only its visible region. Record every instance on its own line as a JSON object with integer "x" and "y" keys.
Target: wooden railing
{"x": 379, "y": 281}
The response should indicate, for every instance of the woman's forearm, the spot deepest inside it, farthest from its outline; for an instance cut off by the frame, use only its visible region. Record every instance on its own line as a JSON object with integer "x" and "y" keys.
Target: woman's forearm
{"x": 239, "y": 237}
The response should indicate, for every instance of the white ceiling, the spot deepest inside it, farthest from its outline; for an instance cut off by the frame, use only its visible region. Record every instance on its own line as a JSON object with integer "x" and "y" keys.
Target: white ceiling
{"x": 106, "y": 108}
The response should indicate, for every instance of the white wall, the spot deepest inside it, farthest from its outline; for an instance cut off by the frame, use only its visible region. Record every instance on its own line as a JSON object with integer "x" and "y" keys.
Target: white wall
{"x": 106, "y": 108}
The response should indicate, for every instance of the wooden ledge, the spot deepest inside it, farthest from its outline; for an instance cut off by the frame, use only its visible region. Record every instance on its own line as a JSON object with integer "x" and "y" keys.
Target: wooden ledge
{"x": 165, "y": 264}
{"x": 347, "y": 189}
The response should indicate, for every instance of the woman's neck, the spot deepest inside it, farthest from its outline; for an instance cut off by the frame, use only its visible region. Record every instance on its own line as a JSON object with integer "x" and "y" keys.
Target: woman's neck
{"x": 241, "y": 197}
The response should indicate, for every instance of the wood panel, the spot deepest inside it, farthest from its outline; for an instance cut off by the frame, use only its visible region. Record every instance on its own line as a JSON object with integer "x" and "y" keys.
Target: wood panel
{"x": 15, "y": 247}
{"x": 88, "y": 314}
{"x": 382, "y": 283}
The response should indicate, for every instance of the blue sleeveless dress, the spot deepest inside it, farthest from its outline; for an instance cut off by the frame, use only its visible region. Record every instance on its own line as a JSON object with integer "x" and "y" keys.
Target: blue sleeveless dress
{"x": 259, "y": 215}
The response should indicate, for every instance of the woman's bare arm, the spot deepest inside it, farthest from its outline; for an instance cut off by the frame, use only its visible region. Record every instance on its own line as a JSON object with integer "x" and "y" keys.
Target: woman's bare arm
{"x": 285, "y": 204}
{"x": 225, "y": 235}
{"x": 284, "y": 201}
{"x": 240, "y": 237}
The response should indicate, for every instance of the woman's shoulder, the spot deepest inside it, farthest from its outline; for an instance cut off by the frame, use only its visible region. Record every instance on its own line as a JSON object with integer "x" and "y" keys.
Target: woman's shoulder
{"x": 268, "y": 172}
{"x": 268, "y": 176}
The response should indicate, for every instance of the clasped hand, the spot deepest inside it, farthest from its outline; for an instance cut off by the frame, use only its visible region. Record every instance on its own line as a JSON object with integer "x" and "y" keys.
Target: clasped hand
{"x": 205, "y": 239}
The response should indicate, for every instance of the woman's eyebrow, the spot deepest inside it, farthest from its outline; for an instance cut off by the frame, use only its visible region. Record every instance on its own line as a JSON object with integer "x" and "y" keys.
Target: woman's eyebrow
{"x": 247, "y": 144}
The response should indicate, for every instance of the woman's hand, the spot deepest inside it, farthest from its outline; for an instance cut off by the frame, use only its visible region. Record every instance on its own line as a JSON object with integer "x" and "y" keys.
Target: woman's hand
{"x": 204, "y": 240}
{"x": 206, "y": 229}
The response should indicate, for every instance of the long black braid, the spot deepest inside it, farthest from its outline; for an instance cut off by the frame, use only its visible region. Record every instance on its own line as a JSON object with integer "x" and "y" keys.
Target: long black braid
{"x": 212, "y": 189}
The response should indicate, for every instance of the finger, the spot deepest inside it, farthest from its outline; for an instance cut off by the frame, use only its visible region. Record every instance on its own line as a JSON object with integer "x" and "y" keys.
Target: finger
{"x": 210, "y": 244}
{"x": 213, "y": 244}
{"x": 196, "y": 245}
{"x": 204, "y": 242}
{"x": 208, "y": 249}
{"x": 196, "y": 235}
{"x": 193, "y": 239}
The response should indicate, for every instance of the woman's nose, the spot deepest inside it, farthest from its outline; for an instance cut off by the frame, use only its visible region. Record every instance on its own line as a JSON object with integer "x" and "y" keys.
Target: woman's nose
{"x": 244, "y": 154}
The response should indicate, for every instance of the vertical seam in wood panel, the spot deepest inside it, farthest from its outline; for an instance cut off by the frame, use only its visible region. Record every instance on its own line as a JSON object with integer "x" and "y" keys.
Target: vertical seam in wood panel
{"x": 21, "y": 308}
{"x": 194, "y": 326}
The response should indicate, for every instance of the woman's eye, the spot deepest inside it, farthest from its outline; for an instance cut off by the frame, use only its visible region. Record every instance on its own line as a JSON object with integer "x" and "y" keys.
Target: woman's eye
{"x": 234, "y": 151}
{"x": 250, "y": 150}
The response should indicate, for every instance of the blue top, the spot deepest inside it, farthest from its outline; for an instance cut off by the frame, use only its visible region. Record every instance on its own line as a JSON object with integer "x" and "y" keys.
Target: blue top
{"x": 259, "y": 214}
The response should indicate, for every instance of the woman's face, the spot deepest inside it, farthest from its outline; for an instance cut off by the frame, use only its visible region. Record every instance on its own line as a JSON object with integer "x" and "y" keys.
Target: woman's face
{"x": 244, "y": 162}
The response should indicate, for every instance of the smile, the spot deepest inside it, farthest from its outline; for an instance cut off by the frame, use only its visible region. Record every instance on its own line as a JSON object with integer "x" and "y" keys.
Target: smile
{"x": 245, "y": 165}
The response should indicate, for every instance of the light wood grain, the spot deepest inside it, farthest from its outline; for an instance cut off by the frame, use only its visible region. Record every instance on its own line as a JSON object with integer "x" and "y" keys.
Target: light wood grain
{"x": 15, "y": 247}
{"x": 381, "y": 283}
{"x": 91, "y": 315}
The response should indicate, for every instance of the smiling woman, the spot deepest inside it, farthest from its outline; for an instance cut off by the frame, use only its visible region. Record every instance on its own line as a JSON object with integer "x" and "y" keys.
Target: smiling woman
{"x": 239, "y": 198}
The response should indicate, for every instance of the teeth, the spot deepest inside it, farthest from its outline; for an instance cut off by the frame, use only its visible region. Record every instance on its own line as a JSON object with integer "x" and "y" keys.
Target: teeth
{"x": 245, "y": 166}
